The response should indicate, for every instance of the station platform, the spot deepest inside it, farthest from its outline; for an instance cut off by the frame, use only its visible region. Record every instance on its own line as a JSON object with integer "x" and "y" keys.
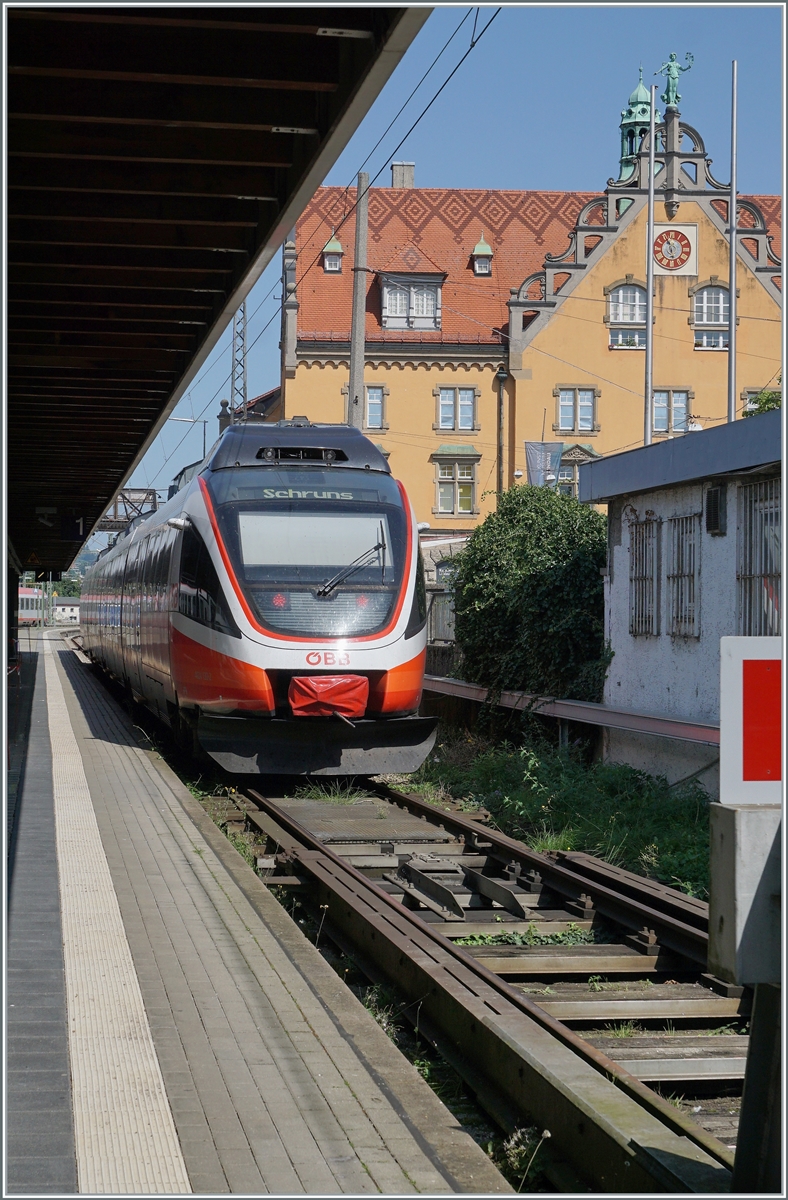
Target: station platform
{"x": 170, "y": 1029}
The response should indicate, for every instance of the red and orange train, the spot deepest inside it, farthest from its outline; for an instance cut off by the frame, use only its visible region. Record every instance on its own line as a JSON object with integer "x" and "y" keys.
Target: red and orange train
{"x": 274, "y": 609}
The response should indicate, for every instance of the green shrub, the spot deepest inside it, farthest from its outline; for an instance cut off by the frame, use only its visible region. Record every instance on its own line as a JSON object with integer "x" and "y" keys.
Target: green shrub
{"x": 552, "y": 801}
{"x": 528, "y": 597}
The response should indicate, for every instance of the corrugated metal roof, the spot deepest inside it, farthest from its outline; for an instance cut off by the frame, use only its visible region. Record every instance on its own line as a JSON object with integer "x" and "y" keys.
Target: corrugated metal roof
{"x": 736, "y": 446}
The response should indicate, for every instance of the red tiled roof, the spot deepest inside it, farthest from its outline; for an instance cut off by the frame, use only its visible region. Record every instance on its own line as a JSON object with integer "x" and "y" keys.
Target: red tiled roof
{"x": 771, "y": 207}
{"x": 436, "y": 229}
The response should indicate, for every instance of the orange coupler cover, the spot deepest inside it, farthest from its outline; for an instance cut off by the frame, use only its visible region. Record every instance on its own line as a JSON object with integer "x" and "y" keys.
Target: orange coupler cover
{"x": 324, "y": 695}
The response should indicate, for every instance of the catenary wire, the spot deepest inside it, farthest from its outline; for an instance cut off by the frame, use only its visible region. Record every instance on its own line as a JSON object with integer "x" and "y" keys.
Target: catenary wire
{"x": 420, "y": 117}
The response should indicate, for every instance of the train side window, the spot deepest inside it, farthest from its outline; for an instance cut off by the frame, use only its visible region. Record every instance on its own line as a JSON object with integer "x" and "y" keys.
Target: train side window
{"x": 200, "y": 595}
{"x": 418, "y": 612}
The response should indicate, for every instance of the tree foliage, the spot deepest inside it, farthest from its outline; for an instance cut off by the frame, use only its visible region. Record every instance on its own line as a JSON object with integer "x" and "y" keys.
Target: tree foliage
{"x": 765, "y": 401}
{"x": 528, "y": 597}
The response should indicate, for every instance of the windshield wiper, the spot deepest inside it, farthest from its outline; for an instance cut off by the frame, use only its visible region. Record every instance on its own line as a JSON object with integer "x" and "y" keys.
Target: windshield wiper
{"x": 364, "y": 560}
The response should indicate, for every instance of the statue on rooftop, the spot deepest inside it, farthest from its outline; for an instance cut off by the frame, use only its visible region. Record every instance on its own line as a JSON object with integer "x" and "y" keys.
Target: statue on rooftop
{"x": 671, "y": 70}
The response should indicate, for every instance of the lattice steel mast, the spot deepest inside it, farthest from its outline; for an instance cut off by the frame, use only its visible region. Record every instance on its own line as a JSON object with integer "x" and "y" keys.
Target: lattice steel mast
{"x": 238, "y": 391}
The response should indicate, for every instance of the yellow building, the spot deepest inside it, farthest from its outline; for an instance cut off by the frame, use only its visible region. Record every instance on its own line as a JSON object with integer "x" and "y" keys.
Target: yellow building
{"x": 536, "y": 300}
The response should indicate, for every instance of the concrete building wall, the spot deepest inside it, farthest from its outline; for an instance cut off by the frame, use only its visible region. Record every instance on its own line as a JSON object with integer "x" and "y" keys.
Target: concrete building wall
{"x": 664, "y": 674}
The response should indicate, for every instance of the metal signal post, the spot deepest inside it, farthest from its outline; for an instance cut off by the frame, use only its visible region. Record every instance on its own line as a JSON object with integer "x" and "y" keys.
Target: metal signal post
{"x": 732, "y": 223}
{"x": 648, "y": 418}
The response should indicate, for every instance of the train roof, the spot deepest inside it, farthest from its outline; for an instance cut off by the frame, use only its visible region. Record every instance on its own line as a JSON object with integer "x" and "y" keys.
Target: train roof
{"x": 296, "y": 442}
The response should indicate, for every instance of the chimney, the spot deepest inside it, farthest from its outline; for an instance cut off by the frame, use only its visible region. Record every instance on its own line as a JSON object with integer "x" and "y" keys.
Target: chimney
{"x": 403, "y": 174}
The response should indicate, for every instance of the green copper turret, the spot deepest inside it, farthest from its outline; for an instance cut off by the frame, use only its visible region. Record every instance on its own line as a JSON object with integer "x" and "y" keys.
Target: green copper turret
{"x": 634, "y": 125}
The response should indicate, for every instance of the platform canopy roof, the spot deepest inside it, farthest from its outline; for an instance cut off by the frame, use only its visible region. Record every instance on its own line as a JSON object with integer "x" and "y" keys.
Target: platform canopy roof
{"x": 157, "y": 158}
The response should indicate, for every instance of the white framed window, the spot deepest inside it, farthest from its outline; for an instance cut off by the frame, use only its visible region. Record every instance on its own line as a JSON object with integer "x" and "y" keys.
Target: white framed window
{"x": 456, "y": 488}
{"x": 683, "y": 576}
{"x": 456, "y": 408}
{"x": 627, "y": 317}
{"x": 397, "y": 302}
{"x": 644, "y": 578}
{"x": 482, "y": 264}
{"x": 411, "y": 302}
{"x": 710, "y": 316}
{"x": 711, "y": 306}
{"x": 332, "y": 264}
{"x": 627, "y": 339}
{"x": 567, "y": 480}
{"x": 375, "y": 404}
{"x": 750, "y": 396}
{"x": 576, "y": 410}
{"x": 758, "y": 572}
{"x": 425, "y": 301}
{"x": 628, "y": 305}
{"x": 671, "y": 407}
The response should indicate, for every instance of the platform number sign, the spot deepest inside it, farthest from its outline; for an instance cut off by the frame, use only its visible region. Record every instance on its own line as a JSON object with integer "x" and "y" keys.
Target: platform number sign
{"x": 750, "y": 720}
{"x": 73, "y": 529}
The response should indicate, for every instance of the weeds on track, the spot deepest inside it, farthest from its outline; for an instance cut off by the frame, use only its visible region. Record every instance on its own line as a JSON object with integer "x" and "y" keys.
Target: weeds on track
{"x": 553, "y": 800}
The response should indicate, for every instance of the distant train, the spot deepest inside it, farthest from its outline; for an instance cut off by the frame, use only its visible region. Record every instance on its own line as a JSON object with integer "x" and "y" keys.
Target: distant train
{"x": 30, "y": 606}
{"x": 274, "y": 609}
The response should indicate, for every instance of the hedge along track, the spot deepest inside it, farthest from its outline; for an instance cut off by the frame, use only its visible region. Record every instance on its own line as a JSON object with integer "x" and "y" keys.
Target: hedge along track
{"x": 524, "y": 1064}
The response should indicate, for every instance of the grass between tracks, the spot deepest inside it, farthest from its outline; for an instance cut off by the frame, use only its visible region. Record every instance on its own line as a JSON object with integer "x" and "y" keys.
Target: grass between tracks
{"x": 520, "y": 1157}
{"x": 554, "y": 800}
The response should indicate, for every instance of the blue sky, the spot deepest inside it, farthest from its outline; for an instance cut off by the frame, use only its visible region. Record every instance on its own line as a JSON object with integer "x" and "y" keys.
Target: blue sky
{"x": 535, "y": 105}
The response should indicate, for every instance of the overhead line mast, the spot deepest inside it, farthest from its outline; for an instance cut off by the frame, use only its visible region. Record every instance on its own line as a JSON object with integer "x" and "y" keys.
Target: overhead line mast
{"x": 238, "y": 386}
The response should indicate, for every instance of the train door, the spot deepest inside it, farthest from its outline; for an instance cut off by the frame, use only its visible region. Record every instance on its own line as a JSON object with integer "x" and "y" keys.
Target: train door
{"x": 130, "y": 617}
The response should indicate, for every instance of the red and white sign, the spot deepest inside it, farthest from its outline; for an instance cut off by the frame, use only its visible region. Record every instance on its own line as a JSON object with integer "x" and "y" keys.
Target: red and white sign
{"x": 750, "y": 720}
{"x": 328, "y": 658}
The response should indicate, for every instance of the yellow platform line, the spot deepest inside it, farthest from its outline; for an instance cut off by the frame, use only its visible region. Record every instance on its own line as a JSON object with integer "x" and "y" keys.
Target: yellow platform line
{"x": 126, "y": 1141}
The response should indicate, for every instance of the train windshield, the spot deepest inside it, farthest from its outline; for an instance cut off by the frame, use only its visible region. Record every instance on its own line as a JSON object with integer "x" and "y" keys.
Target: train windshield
{"x": 318, "y": 552}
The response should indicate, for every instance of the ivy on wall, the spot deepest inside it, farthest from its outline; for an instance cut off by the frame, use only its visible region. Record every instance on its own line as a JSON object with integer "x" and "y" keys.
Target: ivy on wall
{"x": 529, "y": 600}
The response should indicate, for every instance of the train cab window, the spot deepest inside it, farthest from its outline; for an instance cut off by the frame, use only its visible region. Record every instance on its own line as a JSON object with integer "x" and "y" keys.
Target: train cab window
{"x": 319, "y": 553}
{"x": 200, "y": 595}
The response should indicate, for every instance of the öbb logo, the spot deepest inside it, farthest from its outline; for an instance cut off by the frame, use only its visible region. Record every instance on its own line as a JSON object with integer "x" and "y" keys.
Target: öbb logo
{"x": 327, "y": 658}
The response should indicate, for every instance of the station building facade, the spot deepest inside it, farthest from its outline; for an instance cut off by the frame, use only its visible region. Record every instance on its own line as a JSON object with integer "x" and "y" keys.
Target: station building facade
{"x": 542, "y": 295}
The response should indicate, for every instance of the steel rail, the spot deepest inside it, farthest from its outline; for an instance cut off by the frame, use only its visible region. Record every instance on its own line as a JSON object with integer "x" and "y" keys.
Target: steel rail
{"x": 380, "y": 914}
{"x": 675, "y": 933}
{"x": 583, "y": 711}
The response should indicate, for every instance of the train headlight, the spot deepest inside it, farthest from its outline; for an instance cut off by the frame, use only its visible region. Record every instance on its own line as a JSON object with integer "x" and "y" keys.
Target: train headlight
{"x": 330, "y": 455}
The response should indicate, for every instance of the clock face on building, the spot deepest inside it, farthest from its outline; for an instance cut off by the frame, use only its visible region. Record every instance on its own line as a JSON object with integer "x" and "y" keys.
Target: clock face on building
{"x": 672, "y": 249}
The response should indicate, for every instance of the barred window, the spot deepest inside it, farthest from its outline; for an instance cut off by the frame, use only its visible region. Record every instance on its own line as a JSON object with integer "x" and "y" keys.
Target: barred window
{"x": 440, "y": 627}
{"x": 644, "y": 578}
{"x": 758, "y": 559}
{"x": 684, "y": 576}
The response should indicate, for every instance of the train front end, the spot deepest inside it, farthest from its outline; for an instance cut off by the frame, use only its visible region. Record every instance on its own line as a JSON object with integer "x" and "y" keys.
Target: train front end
{"x": 317, "y": 550}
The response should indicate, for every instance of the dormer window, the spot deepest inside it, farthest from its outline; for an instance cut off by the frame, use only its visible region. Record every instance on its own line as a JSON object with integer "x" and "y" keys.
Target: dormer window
{"x": 332, "y": 256}
{"x": 482, "y": 258}
{"x": 411, "y": 302}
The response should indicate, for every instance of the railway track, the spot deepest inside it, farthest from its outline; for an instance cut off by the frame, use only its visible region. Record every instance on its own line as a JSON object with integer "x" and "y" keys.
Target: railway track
{"x": 524, "y": 970}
